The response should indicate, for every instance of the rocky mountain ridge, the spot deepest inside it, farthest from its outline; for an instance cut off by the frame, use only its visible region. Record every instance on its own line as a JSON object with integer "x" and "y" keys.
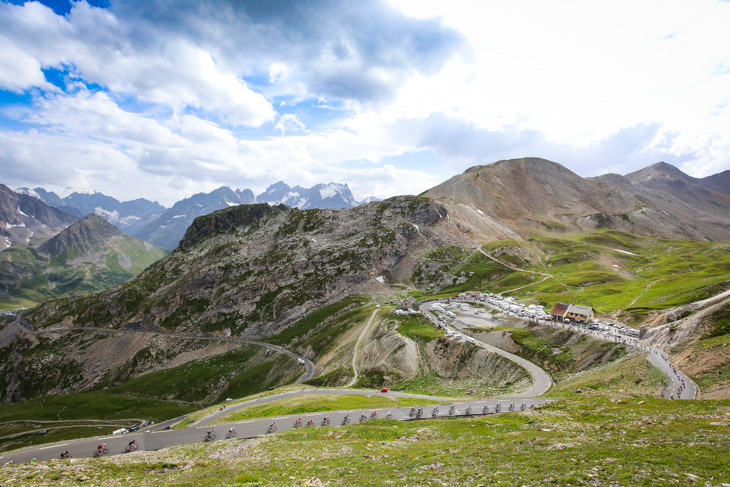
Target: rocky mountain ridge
{"x": 253, "y": 270}
{"x": 24, "y": 219}
{"x": 154, "y": 223}
{"x": 519, "y": 197}
{"x": 89, "y": 255}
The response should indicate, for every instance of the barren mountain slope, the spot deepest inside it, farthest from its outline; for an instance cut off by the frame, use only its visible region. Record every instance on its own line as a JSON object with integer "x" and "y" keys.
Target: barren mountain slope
{"x": 532, "y": 195}
{"x": 719, "y": 182}
{"x": 704, "y": 210}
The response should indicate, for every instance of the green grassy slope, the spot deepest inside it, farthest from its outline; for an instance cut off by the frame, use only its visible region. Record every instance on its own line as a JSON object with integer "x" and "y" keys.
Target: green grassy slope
{"x": 607, "y": 270}
{"x": 31, "y": 277}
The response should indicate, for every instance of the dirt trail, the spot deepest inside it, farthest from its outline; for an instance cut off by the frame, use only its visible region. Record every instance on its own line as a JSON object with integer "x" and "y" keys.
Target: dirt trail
{"x": 545, "y": 278}
{"x": 513, "y": 267}
{"x": 357, "y": 345}
{"x": 638, "y": 296}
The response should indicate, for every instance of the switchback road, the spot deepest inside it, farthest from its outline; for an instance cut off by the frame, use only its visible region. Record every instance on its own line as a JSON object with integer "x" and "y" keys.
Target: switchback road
{"x": 541, "y": 382}
{"x": 155, "y": 440}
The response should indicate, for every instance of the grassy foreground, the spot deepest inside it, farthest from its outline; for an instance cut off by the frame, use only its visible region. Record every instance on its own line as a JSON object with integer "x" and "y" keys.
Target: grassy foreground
{"x": 588, "y": 440}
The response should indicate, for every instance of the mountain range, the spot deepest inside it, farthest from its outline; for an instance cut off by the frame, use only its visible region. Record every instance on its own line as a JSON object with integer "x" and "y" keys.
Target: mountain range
{"x": 25, "y": 220}
{"x": 89, "y": 255}
{"x": 255, "y": 269}
{"x": 281, "y": 275}
{"x": 515, "y": 198}
{"x": 165, "y": 227}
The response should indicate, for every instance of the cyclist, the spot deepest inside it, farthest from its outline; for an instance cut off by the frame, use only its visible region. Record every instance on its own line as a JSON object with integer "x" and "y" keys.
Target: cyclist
{"x": 210, "y": 433}
{"x": 101, "y": 447}
{"x": 310, "y": 423}
{"x": 65, "y": 454}
{"x": 231, "y": 431}
{"x": 468, "y": 409}
{"x": 133, "y": 444}
{"x": 374, "y": 414}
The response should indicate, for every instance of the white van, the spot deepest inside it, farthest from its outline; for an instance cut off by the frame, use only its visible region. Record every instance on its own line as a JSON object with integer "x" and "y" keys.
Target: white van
{"x": 120, "y": 431}
{"x": 470, "y": 340}
{"x": 457, "y": 336}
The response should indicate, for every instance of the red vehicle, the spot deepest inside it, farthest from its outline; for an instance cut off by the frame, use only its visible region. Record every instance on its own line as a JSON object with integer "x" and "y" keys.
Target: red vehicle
{"x": 384, "y": 389}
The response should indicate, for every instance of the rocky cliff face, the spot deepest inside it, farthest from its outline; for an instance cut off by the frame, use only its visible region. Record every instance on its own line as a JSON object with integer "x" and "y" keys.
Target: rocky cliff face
{"x": 254, "y": 270}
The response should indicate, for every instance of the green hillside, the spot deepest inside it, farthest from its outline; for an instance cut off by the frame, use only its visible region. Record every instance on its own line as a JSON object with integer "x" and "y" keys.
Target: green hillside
{"x": 29, "y": 277}
{"x": 608, "y": 270}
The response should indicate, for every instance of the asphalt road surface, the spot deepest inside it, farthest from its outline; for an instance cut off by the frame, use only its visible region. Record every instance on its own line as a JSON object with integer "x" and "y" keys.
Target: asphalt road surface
{"x": 253, "y": 428}
{"x": 680, "y": 386}
{"x": 541, "y": 381}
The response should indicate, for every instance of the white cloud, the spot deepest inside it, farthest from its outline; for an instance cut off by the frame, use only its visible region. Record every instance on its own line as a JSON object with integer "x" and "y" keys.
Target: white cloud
{"x": 289, "y": 123}
{"x": 101, "y": 49}
{"x": 188, "y": 91}
{"x": 18, "y": 71}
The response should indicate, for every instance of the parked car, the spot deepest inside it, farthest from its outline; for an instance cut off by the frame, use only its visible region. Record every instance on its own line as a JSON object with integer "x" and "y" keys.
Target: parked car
{"x": 384, "y": 389}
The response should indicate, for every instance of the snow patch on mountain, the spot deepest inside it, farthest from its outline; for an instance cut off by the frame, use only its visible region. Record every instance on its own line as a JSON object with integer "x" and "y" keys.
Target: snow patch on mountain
{"x": 112, "y": 216}
{"x": 29, "y": 192}
{"x": 331, "y": 190}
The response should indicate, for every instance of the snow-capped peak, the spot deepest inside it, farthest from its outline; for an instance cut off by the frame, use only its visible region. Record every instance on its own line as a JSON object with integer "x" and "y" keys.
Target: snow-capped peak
{"x": 29, "y": 192}
{"x": 81, "y": 190}
{"x": 332, "y": 189}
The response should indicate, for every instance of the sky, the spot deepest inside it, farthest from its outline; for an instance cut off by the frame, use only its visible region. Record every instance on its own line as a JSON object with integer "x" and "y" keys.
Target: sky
{"x": 169, "y": 98}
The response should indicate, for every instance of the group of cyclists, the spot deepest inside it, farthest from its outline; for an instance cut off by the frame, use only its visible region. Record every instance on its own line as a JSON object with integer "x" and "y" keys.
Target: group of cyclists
{"x": 102, "y": 449}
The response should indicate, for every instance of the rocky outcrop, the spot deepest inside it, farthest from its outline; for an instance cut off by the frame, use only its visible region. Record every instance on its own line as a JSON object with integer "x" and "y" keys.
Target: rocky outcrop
{"x": 239, "y": 217}
{"x": 254, "y": 270}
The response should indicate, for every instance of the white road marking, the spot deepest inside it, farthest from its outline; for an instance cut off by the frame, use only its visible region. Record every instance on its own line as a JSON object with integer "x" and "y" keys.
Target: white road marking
{"x": 53, "y": 446}
{"x": 243, "y": 422}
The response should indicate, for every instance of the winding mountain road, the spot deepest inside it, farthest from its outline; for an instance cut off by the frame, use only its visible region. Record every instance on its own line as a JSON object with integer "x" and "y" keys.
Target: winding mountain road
{"x": 541, "y": 381}
{"x": 309, "y": 366}
{"x": 681, "y": 386}
{"x": 156, "y": 440}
